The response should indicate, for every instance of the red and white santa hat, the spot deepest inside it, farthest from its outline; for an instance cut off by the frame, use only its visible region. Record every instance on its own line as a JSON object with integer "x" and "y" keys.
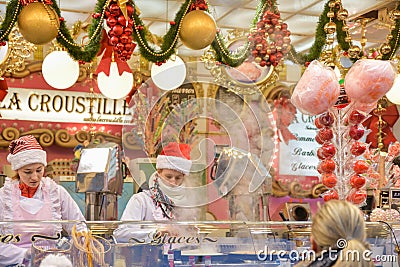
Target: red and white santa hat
{"x": 24, "y": 151}
{"x": 175, "y": 156}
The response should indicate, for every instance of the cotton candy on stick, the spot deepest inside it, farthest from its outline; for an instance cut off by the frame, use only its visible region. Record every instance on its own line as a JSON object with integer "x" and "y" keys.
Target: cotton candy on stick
{"x": 368, "y": 80}
{"x": 317, "y": 90}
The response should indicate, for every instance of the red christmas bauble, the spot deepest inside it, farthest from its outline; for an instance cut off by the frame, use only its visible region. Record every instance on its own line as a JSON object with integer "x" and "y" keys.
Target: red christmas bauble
{"x": 111, "y": 21}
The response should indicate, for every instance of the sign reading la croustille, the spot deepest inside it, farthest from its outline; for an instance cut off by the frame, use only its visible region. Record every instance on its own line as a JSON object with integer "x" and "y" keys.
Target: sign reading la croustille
{"x": 299, "y": 156}
{"x": 62, "y": 106}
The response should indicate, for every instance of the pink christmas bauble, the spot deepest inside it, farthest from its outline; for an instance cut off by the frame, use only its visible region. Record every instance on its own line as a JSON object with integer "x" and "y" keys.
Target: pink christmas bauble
{"x": 317, "y": 90}
{"x": 368, "y": 80}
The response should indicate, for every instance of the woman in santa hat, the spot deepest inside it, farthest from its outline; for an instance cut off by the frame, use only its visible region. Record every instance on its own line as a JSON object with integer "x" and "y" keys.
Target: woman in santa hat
{"x": 31, "y": 196}
{"x": 165, "y": 195}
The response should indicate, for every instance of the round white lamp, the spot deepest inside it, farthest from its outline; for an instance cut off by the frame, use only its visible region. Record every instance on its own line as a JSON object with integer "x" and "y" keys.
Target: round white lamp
{"x": 115, "y": 86}
{"x": 394, "y": 93}
{"x": 60, "y": 70}
{"x": 170, "y": 75}
{"x": 4, "y": 52}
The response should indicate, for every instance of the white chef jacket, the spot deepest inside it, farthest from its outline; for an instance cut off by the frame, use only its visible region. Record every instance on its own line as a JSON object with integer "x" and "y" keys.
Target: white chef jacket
{"x": 10, "y": 252}
{"x": 140, "y": 207}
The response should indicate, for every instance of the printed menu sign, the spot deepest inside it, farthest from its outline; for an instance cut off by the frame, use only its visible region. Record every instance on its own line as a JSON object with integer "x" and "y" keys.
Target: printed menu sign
{"x": 299, "y": 157}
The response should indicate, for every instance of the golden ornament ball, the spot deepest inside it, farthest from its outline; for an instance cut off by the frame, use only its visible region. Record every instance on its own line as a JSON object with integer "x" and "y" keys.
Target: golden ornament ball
{"x": 396, "y": 14}
{"x": 198, "y": 30}
{"x": 330, "y": 14}
{"x": 342, "y": 14}
{"x": 330, "y": 27}
{"x": 385, "y": 49}
{"x": 38, "y": 23}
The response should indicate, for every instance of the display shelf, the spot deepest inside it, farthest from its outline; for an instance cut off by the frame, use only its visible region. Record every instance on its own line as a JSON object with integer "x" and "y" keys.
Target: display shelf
{"x": 225, "y": 243}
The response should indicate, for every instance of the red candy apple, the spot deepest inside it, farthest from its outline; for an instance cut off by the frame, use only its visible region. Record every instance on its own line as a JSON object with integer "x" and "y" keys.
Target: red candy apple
{"x": 320, "y": 154}
{"x": 356, "y": 132}
{"x": 325, "y": 134}
{"x": 318, "y": 123}
{"x": 327, "y": 166}
{"x": 358, "y": 148}
{"x": 331, "y": 194}
{"x": 360, "y": 166}
{"x": 357, "y": 181}
{"x": 329, "y": 180}
{"x": 326, "y": 119}
{"x": 319, "y": 140}
{"x": 357, "y": 196}
{"x": 328, "y": 150}
{"x": 356, "y": 117}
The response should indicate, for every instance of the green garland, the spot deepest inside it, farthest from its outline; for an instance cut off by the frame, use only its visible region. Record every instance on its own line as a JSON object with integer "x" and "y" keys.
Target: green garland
{"x": 13, "y": 7}
{"x": 394, "y": 43}
{"x": 169, "y": 41}
{"x": 320, "y": 39}
{"x": 89, "y": 51}
{"x": 224, "y": 55}
{"x": 319, "y": 42}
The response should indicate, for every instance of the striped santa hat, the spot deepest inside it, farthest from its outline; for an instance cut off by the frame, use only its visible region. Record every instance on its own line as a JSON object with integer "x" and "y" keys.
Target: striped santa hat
{"x": 175, "y": 156}
{"x": 24, "y": 151}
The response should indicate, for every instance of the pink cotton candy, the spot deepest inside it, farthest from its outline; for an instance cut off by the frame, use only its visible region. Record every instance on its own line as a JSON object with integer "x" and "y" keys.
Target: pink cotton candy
{"x": 317, "y": 90}
{"x": 368, "y": 80}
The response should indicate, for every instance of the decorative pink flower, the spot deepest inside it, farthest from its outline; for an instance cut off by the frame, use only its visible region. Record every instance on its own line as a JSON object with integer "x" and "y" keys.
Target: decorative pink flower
{"x": 373, "y": 185}
{"x": 393, "y": 150}
{"x": 374, "y": 175}
{"x": 396, "y": 171}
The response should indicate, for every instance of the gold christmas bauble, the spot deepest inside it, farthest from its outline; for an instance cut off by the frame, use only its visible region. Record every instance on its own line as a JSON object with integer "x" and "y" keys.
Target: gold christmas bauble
{"x": 38, "y": 23}
{"x": 198, "y": 30}
{"x": 385, "y": 49}
{"x": 330, "y": 27}
{"x": 342, "y": 14}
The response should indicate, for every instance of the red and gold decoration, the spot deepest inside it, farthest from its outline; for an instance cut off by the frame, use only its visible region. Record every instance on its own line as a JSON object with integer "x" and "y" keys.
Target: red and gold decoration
{"x": 38, "y": 22}
{"x": 270, "y": 40}
{"x": 88, "y": 51}
{"x": 198, "y": 28}
{"x": 118, "y": 17}
{"x": 380, "y": 123}
{"x": 114, "y": 76}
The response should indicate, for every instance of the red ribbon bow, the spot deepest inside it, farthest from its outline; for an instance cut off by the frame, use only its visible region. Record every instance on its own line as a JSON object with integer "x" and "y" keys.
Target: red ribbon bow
{"x": 390, "y": 116}
{"x": 105, "y": 62}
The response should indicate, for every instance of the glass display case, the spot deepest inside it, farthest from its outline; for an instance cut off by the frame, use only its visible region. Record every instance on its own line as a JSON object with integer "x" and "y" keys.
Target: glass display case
{"x": 208, "y": 243}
